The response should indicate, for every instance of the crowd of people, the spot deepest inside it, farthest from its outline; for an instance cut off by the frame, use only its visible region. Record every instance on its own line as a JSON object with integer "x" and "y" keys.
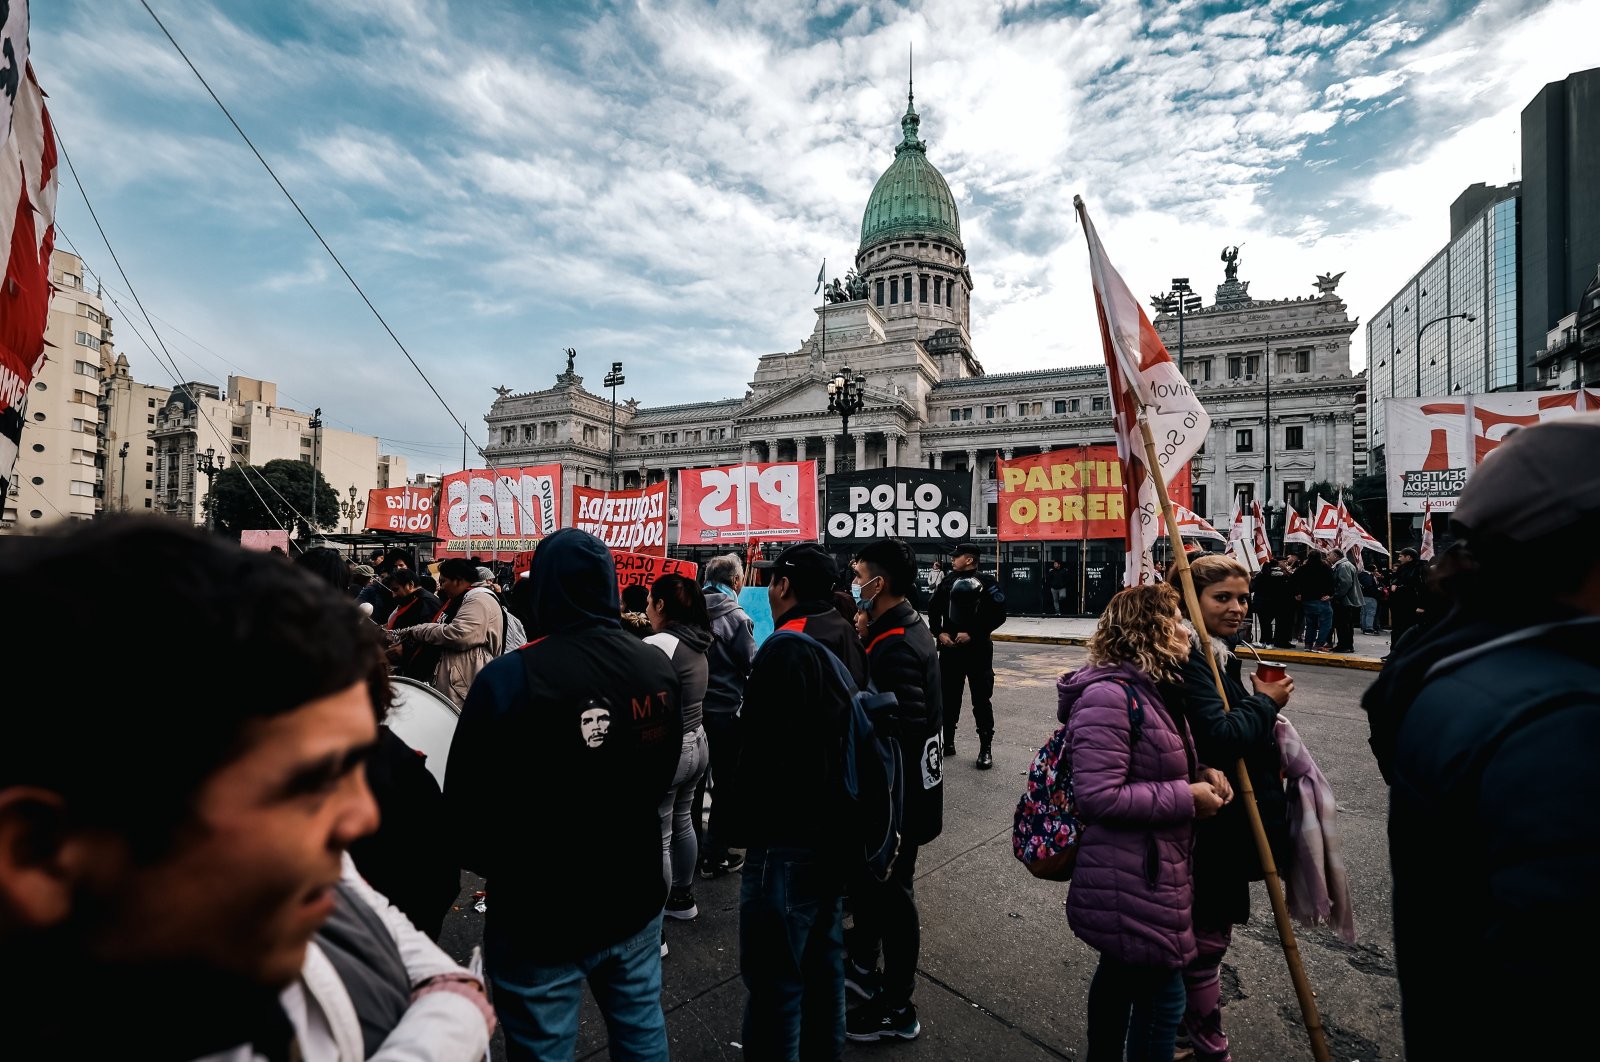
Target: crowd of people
{"x": 1322, "y": 597}
{"x": 260, "y": 869}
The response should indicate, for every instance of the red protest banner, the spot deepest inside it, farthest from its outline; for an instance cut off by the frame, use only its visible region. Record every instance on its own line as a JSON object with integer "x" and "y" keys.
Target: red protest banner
{"x": 499, "y": 510}
{"x": 631, "y": 521}
{"x": 1074, "y": 493}
{"x": 400, "y": 509}
{"x": 738, "y": 503}
{"x": 641, "y": 569}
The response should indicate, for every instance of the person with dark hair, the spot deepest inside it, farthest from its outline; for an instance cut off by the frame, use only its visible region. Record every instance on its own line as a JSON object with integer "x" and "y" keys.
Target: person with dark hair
{"x": 965, "y": 610}
{"x": 1406, "y": 600}
{"x": 327, "y": 565}
{"x": 682, "y": 628}
{"x": 1313, "y": 587}
{"x": 183, "y": 857}
{"x": 902, "y": 659}
{"x": 1058, "y": 582}
{"x": 375, "y": 592}
{"x": 1486, "y": 726}
{"x": 728, "y": 659}
{"x": 577, "y": 733}
{"x": 1273, "y": 604}
{"x": 791, "y": 943}
{"x": 467, "y": 630}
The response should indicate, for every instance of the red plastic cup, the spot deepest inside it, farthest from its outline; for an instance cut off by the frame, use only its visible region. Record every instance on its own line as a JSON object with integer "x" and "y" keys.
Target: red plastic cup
{"x": 1271, "y": 672}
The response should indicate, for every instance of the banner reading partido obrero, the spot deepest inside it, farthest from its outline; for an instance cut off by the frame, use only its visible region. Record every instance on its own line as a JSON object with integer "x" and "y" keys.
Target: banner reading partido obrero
{"x": 1431, "y": 445}
{"x": 485, "y": 511}
{"x": 916, "y": 505}
{"x": 739, "y": 503}
{"x": 629, "y": 521}
{"x": 1075, "y": 493}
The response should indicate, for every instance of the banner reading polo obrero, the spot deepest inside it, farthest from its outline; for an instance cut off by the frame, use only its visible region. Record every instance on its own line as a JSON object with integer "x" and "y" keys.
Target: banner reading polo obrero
{"x": 740, "y": 503}
{"x": 27, "y": 229}
{"x": 1143, "y": 381}
{"x": 1431, "y": 445}
{"x": 918, "y": 505}
{"x": 629, "y": 521}
{"x": 497, "y": 510}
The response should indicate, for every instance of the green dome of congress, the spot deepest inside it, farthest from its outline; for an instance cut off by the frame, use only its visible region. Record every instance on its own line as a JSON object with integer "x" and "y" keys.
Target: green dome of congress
{"x": 911, "y": 199}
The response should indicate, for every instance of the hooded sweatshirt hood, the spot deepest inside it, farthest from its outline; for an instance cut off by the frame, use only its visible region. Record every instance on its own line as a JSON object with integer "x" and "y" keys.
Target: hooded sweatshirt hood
{"x": 719, "y": 604}
{"x": 1070, "y": 687}
{"x": 696, "y": 638}
{"x": 574, "y": 584}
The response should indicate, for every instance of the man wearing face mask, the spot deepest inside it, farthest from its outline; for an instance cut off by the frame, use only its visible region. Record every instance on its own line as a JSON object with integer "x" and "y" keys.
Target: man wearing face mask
{"x": 964, "y": 612}
{"x": 903, "y": 660}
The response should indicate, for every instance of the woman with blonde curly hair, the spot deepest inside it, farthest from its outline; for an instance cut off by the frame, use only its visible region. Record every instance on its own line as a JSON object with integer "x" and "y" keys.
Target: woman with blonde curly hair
{"x": 1139, "y": 788}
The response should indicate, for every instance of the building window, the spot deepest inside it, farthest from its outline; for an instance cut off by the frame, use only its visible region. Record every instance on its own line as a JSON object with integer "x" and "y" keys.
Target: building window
{"x": 85, "y": 398}
{"x": 894, "y": 290}
{"x": 147, "y": 504}
{"x": 1098, "y": 404}
{"x": 1201, "y": 371}
{"x": 1244, "y": 441}
{"x": 1030, "y": 409}
{"x": 1246, "y": 493}
{"x": 88, "y": 339}
{"x": 507, "y": 435}
{"x": 1294, "y": 361}
{"x": 1235, "y": 368}
{"x": 1201, "y": 451}
{"x": 80, "y": 489}
{"x": 147, "y": 484}
{"x": 922, "y": 289}
{"x": 1073, "y": 405}
{"x": 961, "y": 413}
{"x": 149, "y": 451}
{"x": 238, "y": 432}
{"x": 880, "y": 293}
{"x": 989, "y": 412}
{"x": 85, "y": 369}
{"x": 1061, "y": 405}
{"x": 1294, "y": 438}
{"x": 938, "y": 285}
{"x": 1197, "y": 495}
{"x": 905, "y": 286}
{"x": 150, "y": 418}
{"x": 149, "y": 466}
{"x": 71, "y": 280}
{"x": 92, "y": 314}
{"x": 150, "y": 402}
{"x": 83, "y": 457}
{"x": 1294, "y": 493}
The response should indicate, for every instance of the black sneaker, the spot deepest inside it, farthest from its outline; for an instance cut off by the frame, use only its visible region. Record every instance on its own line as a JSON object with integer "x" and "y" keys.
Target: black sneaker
{"x": 731, "y": 863}
{"x": 949, "y": 749}
{"x": 985, "y": 759}
{"x": 680, "y": 905}
{"x": 865, "y": 983}
{"x": 877, "y": 1022}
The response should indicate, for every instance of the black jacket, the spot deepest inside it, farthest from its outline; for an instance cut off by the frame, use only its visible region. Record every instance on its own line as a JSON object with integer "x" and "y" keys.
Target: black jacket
{"x": 1058, "y": 578}
{"x": 1312, "y": 582}
{"x": 967, "y": 603}
{"x": 786, "y": 778}
{"x": 1270, "y": 589}
{"x": 1494, "y": 843}
{"x": 563, "y": 753}
{"x": 1225, "y": 857}
{"x": 904, "y": 661}
{"x": 728, "y": 658}
{"x": 1405, "y": 592}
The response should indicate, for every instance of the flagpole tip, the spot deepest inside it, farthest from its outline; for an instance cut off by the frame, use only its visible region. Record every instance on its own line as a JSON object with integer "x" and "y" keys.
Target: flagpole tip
{"x": 1077, "y": 201}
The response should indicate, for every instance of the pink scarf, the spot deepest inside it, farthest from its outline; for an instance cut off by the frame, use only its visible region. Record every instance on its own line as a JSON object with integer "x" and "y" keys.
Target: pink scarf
{"x": 1315, "y": 886}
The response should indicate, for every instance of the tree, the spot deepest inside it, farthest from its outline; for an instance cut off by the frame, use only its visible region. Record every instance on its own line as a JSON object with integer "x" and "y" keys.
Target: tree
{"x": 284, "y": 485}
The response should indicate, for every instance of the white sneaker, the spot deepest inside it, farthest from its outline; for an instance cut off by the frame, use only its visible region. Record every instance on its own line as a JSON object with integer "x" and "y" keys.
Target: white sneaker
{"x": 663, "y": 949}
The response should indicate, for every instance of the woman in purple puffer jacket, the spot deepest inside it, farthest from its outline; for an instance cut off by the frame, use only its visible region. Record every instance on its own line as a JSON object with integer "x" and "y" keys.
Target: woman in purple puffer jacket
{"x": 1138, "y": 789}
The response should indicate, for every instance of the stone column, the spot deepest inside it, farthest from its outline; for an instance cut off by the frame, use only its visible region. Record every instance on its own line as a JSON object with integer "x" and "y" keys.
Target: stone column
{"x": 936, "y": 459}
{"x": 800, "y": 448}
{"x": 891, "y": 443}
{"x": 750, "y": 455}
{"x": 861, "y": 450}
{"x": 977, "y": 488}
{"x": 829, "y": 443}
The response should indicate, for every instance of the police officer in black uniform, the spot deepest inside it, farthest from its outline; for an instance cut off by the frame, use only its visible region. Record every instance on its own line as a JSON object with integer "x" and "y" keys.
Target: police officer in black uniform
{"x": 966, "y": 608}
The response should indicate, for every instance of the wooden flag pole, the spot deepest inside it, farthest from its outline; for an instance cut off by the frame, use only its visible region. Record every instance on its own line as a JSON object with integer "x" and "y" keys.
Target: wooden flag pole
{"x": 1280, "y": 909}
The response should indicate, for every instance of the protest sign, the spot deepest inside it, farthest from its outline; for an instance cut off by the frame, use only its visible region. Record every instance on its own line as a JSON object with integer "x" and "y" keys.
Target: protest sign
{"x": 265, "y": 540}
{"x": 629, "y": 521}
{"x": 400, "y": 509}
{"x": 1431, "y": 445}
{"x": 738, "y": 503}
{"x": 1074, "y": 493}
{"x": 501, "y": 510}
{"x": 917, "y": 505}
{"x": 642, "y": 569}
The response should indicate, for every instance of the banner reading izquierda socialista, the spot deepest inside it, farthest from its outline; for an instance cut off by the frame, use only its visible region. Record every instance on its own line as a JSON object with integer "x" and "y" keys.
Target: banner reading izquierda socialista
{"x": 916, "y": 505}
{"x": 629, "y": 521}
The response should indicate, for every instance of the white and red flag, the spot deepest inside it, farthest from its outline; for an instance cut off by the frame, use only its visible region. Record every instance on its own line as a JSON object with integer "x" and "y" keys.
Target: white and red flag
{"x": 1349, "y": 532}
{"x": 1298, "y": 530}
{"x": 1236, "y": 528}
{"x": 1262, "y": 544}
{"x": 1325, "y": 519}
{"x": 1143, "y": 381}
{"x": 1426, "y": 553}
{"x": 27, "y": 229}
{"x": 1192, "y": 525}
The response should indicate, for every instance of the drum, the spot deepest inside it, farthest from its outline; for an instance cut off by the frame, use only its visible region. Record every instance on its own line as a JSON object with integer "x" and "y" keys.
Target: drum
{"x": 425, "y": 719}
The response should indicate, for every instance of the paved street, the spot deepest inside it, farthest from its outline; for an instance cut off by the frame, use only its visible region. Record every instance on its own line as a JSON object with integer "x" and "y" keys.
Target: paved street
{"x": 1001, "y": 976}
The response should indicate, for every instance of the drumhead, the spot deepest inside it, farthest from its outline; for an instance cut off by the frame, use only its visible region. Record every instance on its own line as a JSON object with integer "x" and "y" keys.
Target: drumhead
{"x": 425, "y": 719}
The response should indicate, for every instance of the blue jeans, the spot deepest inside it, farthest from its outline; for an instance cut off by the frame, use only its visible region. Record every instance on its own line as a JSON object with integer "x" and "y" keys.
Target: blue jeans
{"x": 1369, "y": 615}
{"x": 1319, "y": 623}
{"x": 1139, "y": 1006}
{"x": 791, "y": 956}
{"x": 537, "y": 1002}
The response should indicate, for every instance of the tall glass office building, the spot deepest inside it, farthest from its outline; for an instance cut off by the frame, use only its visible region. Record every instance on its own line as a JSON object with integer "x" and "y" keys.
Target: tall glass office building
{"x": 1411, "y": 352}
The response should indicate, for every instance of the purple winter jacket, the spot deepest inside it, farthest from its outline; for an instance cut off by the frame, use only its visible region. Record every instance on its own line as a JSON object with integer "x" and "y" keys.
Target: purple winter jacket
{"x": 1131, "y": 895}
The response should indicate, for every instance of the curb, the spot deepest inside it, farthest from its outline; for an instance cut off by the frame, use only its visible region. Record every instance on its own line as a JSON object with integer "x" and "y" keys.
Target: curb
{"x": 1282, "y": 656}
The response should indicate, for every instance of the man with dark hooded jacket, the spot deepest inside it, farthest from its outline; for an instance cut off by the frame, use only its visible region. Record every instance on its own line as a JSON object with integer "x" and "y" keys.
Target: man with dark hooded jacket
{"x": 791, "y": 934}
{"x": 1487, "y": 727}
{"x": 728, "y": 665}
{"x": 563, "y": 753}
{"x": 903, "y": 660}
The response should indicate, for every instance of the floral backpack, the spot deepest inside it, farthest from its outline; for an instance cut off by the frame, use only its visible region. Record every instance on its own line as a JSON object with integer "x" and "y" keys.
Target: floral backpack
{"x": 1046, "y": 829}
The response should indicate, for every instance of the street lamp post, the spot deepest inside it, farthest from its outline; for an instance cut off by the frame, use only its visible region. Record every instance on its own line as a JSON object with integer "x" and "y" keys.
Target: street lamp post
{"x": 1181, "y": 299}
{"x": 1435, "y": 361}
{"x": 1266, "y": 359}
{"x": 209, "y": 466}
{"x": 351, "y": 510}
{"x": 122, "y": 491}
{"x": 613, "y": 380}
{"x": 316, "y": 437}
{"x": 846, "y": 395}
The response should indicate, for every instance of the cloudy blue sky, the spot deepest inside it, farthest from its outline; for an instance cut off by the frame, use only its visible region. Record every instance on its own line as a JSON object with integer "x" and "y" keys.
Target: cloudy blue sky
{"x": 657, "y": 182}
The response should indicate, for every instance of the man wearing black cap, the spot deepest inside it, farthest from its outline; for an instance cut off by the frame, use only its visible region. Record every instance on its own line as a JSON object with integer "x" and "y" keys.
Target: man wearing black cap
{"x": 1405, "y": 595}
{"x": 1487, "y": 728}
{"x": 791, "y": 933}
{"x": 964, "y": 611}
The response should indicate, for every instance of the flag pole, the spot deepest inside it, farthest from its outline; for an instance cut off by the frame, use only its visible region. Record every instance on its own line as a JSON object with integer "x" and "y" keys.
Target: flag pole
{"x": 1280, "y": 910}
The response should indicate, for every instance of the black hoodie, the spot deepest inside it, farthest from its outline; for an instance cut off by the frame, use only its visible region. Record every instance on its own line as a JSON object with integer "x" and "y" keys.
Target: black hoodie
{"x": 563, "y": 753}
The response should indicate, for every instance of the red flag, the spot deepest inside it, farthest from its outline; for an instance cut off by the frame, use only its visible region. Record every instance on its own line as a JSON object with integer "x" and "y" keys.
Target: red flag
{"x": 1193, "y": 525}
{"x": 1426, "y": 553}
{"x": 1143, "y": 381}
{"x": 1263, "y": 546}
